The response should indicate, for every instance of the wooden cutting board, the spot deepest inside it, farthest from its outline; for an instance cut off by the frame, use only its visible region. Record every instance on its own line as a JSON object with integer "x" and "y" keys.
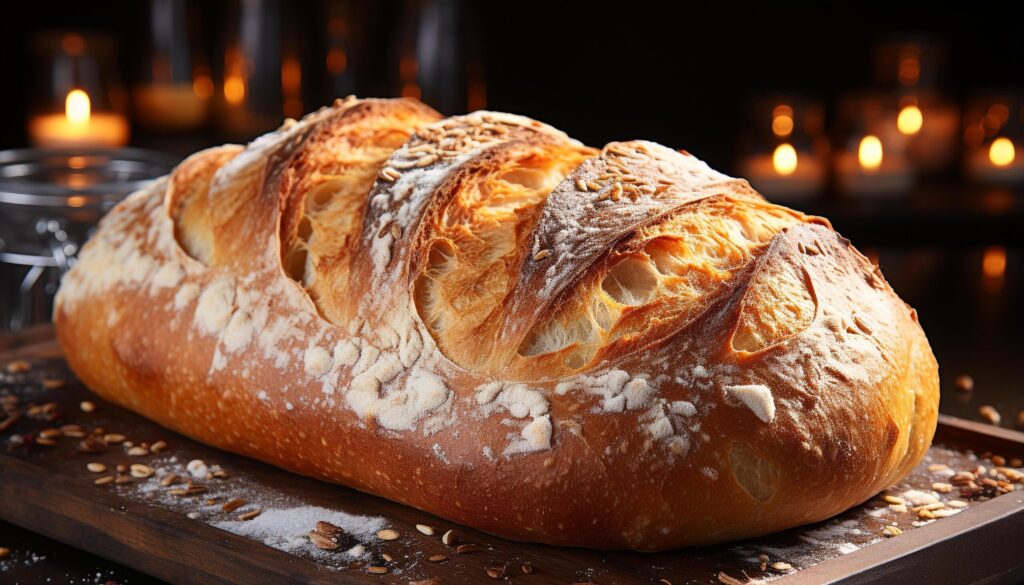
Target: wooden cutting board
{"x": 190, "y": 538}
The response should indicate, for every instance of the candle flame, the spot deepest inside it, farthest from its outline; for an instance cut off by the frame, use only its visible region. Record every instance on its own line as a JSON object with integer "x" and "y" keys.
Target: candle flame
{"x": 77, "y": 107}
{"x": 993, "y": 263}
{"x": 784, "y": 159}
{"x": 910, "y": 120}
{"x": 1002, "y": 152}
{"x": 870, "y": 152}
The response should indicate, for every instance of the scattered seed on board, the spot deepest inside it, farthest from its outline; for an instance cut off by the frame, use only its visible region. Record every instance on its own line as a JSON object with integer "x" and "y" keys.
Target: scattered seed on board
{"x": 437, "y": 558}
{"x": 781, "y": 566}
{"x": 428, "y": 530}
{"x": 141, "y": 471}
{"x": 893, "y": 500}
{"x": 104, "y": 480}
{"x": 964, "y": 383}
{"x": 541, "y": 255}
{"x": 527, "y": 568}
{"x": 448, "y": 538}
{"x": 762, "y": 562}
{"x": 158, "y": 446}
{"x": 322, "y": 542}
{"x": 233, "y": 505}
{"x": 138, "y": 451}
{"x": 387, "y": 534}
{"x": 249, "y": 515}
{"x": 328, "y": 529}
{"x": 728, "y": 580}
{"x": 464, "y": 549}
{"x": 496, "y": 571}
{"x": 891, "y": 531}
{"x": 87, "y": 406}
{"x": 96, "y": 467}
{"x": 168, "y": 479}
{"x": 942, "y": 488}
{"x": 377, "y": 570}
{"x": 990, "y": 414}
{"x": 388, "y": 558}
{"x": 113, "y": 438}
{"x": 123, "y": 479}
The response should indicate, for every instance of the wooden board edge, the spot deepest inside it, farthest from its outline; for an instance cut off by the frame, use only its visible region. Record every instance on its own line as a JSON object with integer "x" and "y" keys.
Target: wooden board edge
{"x": 145, "y": 537}
{"x": 980, "y": 544}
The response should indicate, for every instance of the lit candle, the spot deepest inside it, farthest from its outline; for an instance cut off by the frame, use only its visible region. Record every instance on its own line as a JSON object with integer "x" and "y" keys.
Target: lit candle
{"x": 871, "y": 171}
{"x": 78, "y": 126}
{"x": 1000, "y": 162}
{"x": 786, "y": 174}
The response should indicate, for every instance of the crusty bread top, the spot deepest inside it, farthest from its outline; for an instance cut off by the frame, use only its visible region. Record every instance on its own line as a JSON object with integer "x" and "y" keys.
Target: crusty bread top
{"x": 424, "y": 274}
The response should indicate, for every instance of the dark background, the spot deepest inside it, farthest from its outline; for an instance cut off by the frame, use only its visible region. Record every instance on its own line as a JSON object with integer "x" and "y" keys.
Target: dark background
{"x": 676, "y": 73}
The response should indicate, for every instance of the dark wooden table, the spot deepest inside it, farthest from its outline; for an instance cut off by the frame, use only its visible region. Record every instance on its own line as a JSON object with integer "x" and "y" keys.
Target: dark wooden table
{"x": 188, "y": 539}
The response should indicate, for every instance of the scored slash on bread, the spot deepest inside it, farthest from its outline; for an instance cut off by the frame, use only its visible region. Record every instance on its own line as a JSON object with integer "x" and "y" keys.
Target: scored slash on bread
{"x": 480, "y": 317}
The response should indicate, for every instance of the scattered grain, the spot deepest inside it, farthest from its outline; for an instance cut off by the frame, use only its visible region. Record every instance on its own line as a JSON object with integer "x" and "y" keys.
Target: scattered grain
{"x": 496, "y": 571}
{"x": 449, "y": 538}
{"x": 964, "y": 383}
{"x": 437, "y": 558}
{"x": 377, "y": 570}
{"x": 95, "y": 467}
{"x": 942, "y": 488}
{"x": 158, "y": 446}
{"x": 249, "y": 515}
{"x": 138, "y": 451}
{"x": 18, "y": 367}
{"x": 894, "y": 500}
{"x": 103, "y": 480}
{"x": 322, "y": 542}
{"x": 113, "y": 438}
{"x": 123, "y": 479}
{"x": 141, "y": 471}
{"x": 465, "y": 549}
{"x": 782, "y": 566}
{"x": 527, "y": 568}
{"x": 990, "y": 414}
{"x": 891, "y": 531}
{"x": 728, "y": 580}
{"x": 428, "y": 530}
{"x": 541, "y": 255}
{"x": 387, "y": 534}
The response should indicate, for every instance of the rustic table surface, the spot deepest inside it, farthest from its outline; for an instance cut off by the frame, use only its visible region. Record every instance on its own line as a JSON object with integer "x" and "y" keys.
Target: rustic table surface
{"x": 179, "y": 511}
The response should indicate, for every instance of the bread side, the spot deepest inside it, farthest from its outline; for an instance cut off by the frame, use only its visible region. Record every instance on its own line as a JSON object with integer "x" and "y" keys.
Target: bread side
{"x": 482, "y": 318}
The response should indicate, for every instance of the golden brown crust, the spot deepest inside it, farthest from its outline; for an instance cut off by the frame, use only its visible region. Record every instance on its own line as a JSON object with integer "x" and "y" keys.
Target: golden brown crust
{"x": 484, "y": 319}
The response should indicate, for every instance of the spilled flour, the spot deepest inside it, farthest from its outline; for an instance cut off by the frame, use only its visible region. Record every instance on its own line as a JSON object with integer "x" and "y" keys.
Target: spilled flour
{"x": 287, "y": 528}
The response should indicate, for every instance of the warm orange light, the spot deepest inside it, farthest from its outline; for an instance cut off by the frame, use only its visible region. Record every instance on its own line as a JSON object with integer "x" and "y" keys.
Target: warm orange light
{"x": 76, "y": 201}
{"x": 202, "y": 85}
{"x": 291, "y": 75}
{"x": 910, "y": 120}
{"x": 784, "y": 159}
{"x": 337, "y": 61}
{"x": 1001, "y": 152}
{"x": 909, "y": 71}
{"x": 234, "y": 89}
{"x": 77, "y": 107}
{"x": 869, "y": 153}
{"x": 234, "y": 79}
{"x": 993, "y": 263}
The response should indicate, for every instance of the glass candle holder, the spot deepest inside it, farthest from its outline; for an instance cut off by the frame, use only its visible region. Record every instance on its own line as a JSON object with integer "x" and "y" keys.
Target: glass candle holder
{"x": 787, "y": 152}
{"x": 174, "y": 88}
{"x": 994, "y": 138}
{"x": 871, "y": 157}
{"x": 49, "y": 202}
{"x": 253, "y": 75}
{"x": 78, "y": 101}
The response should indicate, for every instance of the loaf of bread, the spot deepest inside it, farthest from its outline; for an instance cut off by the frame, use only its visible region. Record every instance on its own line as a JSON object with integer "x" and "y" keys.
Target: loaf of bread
{"x": 482, "y": 318}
